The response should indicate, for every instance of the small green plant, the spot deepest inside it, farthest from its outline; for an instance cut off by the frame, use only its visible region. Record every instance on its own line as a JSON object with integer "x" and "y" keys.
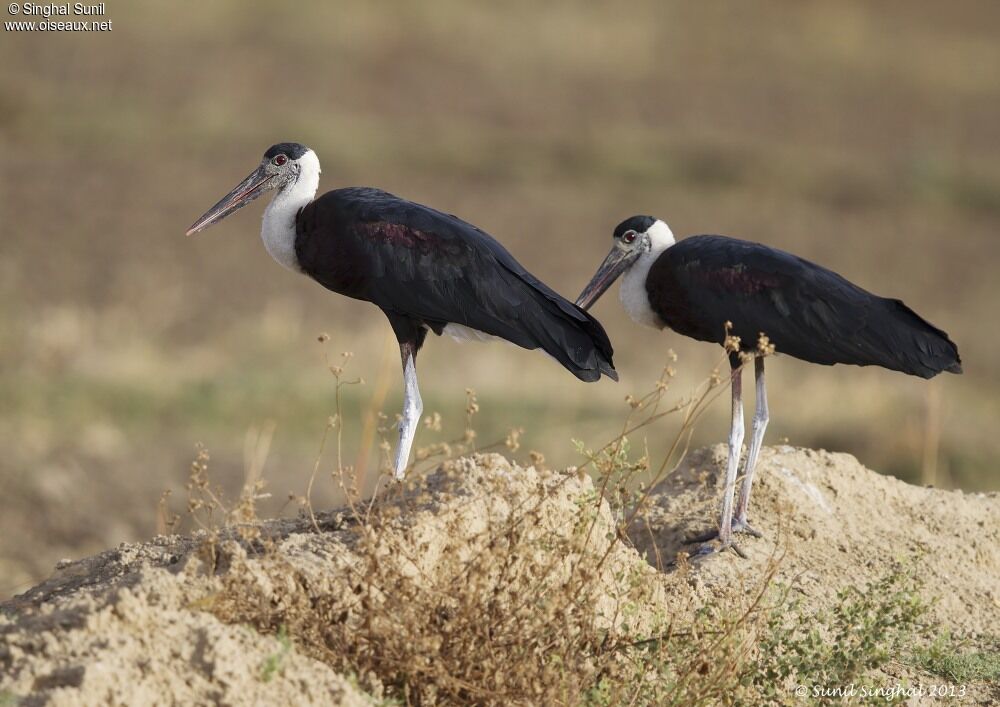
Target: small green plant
{"x": 8, "y": 699}
{"x": 945, "y": 658}
{"x": 860, "y": 634}
{"x": 273, "y": 663}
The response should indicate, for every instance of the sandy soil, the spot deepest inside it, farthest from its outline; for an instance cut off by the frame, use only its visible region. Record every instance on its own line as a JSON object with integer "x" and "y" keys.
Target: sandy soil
{"x": 129, "y": 626}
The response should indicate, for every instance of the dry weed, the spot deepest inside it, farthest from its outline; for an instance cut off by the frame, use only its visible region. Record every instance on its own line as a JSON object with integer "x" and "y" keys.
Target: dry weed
{"x": 461, "y": 587}
{"x": 465, "y": 586}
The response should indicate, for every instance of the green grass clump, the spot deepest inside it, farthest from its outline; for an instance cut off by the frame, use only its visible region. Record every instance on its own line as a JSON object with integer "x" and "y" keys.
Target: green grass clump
{"x": 945, "y": 658}
{"x": 757, "y": 654}
{"x": 273, "y": 663}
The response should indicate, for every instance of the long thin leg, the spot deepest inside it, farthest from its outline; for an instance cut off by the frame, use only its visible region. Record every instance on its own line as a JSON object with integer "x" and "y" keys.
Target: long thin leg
{"x": 413, "y": 407}
{"x": 735, "y": 448}
{"x": 760, "y": 419}
{"x": 736, "y": 431}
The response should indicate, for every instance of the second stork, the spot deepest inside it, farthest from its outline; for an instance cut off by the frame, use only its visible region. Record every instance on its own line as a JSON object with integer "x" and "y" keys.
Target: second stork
{"x": 755, "y": 299}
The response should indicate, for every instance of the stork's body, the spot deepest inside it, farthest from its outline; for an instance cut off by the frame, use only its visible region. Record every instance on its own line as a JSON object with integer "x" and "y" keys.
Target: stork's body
{"x": 426, "y": 270}
{"x": 714, "y": 288}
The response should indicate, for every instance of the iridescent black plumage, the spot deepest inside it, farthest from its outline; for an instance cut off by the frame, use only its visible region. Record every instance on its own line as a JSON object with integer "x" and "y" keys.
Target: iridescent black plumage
{"x": 807, "y": 311}
{"x": 425, "y": 268}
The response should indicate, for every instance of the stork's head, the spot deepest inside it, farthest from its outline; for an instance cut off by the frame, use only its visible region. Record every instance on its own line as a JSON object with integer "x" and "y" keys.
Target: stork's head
{"x": 283, "y": 166}
{"x": 633, "y": 238}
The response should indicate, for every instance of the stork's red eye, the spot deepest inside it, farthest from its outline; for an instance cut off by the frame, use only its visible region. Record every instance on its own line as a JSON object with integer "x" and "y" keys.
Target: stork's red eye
{"x": 279, "y": 160}
{"x": 629, "y": 236}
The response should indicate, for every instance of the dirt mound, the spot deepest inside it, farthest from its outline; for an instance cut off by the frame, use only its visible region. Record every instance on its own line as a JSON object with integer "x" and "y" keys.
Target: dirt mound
{"x": 140, "y": 624}
{"x": 144, "y": 643}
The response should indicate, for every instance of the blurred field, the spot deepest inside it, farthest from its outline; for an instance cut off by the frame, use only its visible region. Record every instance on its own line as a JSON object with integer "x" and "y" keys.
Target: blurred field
{"x": 865, "y": 137}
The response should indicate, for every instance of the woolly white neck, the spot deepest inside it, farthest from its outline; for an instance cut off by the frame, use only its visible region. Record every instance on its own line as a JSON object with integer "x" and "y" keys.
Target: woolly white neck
{"x": 278, "y": 228}
{"x": 633, "y": 293}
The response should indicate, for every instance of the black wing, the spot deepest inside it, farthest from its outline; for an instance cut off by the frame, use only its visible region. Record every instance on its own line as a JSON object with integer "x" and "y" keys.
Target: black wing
{"x": 427, "y": 268}
{"x": 806, "y": 310}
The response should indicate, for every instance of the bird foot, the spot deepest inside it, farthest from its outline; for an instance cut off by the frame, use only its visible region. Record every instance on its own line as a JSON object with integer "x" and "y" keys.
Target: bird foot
{"x": 739, "y": 526}
{"x": 742, "y": 526}
{"x": 710, "y": 548}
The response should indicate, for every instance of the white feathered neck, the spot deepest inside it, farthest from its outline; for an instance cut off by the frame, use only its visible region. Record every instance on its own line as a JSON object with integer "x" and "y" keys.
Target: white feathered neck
{"x": 278, "y": 228}
{"x": 633, "y": 294}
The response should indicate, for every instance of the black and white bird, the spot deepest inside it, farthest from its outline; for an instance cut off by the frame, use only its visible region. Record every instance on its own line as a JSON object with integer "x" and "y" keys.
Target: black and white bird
{"x": 712, "y": 288}
{"x": 426, "y": 270}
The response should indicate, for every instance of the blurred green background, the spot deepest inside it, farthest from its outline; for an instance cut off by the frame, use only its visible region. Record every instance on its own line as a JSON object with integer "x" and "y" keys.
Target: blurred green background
{"x": 864, "y": 136}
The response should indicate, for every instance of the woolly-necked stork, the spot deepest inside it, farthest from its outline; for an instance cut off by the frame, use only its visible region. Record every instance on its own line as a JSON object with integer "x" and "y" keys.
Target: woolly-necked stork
{"x": 712, "y": 288}
{"x": 425, "y": 269}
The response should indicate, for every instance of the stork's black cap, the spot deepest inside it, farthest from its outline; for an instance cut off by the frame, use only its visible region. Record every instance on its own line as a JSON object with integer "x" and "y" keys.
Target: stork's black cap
{"x": 639, "y": 224}
{"x": 293, "y": 150}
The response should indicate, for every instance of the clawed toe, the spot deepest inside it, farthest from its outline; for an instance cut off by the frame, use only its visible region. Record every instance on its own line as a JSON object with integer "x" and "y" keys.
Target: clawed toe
{"x": 741, "y": 526}
{"x": 709, "y": 549}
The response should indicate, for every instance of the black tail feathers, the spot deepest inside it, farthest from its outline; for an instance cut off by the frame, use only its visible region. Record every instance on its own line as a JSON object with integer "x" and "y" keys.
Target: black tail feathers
{"x": 579, "y": 343}
{"x": 925, "y": 350}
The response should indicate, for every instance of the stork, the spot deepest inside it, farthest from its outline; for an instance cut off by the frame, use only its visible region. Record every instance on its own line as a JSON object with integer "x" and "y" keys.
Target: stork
{"x": 426, "y": 270}
{"x": 753, "y": 297}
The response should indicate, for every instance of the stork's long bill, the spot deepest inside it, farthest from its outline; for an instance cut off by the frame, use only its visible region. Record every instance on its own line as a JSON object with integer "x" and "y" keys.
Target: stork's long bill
{"x": 616, "y": 262}
{"x": 257, "y": 182}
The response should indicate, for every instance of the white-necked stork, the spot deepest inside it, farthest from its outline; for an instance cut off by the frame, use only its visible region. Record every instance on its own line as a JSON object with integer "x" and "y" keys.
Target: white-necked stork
{"x": 425, "y": 269}
{"x": 714, "y": 288}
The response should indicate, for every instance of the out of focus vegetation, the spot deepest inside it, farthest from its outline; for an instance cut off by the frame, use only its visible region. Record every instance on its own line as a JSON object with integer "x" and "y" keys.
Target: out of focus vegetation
{"x": 863, "y": 136}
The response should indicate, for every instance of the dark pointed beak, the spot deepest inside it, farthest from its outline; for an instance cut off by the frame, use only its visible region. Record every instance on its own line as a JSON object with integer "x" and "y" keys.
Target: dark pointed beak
{"x": 617, "y": 262}
{"x": 246, "y": 191}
